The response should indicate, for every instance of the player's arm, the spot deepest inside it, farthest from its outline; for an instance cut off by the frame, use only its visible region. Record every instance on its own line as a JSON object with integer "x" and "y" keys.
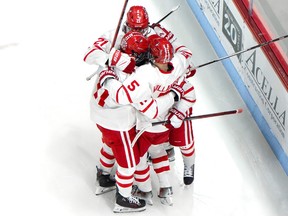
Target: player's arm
{"x": 154, "y": 107}
{"x": 183, "y": 107}
{"x": 98, "y": 52}
{"x": 132, "y": 90}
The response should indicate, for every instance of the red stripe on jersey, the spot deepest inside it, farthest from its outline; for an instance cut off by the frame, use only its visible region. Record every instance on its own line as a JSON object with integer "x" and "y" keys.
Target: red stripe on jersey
{"x": 178, "y": 48}
{"x": 98, "y": 47}
{"x": 189, "y": 90}
{"x": 85, "y": 57}
{"x": 96, "y": 93}
{"x": 164, "y": 93}
{"x": 189, "y": 132}
{"x": 129, "y": 154}
{"x": 103, "y": 98}
{"x": 148, "y": 106}
{"x": 190, "y": 101}
{"x": 126, "y": 92}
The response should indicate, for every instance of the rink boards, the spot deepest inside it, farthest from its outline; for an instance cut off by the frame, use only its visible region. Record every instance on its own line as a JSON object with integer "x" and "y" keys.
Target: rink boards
{"x": 255, "y": 73}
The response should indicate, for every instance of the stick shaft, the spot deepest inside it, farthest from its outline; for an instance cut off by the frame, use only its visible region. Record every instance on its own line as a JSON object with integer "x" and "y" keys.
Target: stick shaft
{"x": 168, "y": 14}
{"x": 119, "y": 24}
{"x": 115, "y": 35}
{"x": 186, "y": 119}
{"x": 243, "y": 51}
{"x": 203, "y": 116}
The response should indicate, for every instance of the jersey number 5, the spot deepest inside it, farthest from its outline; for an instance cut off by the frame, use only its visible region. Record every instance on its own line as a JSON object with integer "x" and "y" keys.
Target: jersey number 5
{"x": 133, "y": 85}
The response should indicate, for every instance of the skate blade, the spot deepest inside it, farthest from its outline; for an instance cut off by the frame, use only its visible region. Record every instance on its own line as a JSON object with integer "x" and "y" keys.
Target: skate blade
{"x": 121, "y": 209}
{"x": 149, "y": 201}
{"x": 101, "y": 190}
{"x": 166, "y": 201}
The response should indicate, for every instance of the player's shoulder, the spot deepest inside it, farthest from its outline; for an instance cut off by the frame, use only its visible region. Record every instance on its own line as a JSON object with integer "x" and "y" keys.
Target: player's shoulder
{"x": 148, "y": 68}
{"x": 144, "y": 72}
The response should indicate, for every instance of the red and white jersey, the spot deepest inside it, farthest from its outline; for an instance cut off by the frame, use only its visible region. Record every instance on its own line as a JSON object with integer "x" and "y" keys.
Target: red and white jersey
{"x": 98, "y": 53}
{"x": 111, "y": 115}
{"x": 148, "y": 83}
{"x": 184, "y": 105}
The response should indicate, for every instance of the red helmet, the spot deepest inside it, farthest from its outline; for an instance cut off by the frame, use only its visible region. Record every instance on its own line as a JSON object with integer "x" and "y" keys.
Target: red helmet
{"x": 135, "y": 44}
{"x": 161, "y": 49}
{"x": 137, "y": 18}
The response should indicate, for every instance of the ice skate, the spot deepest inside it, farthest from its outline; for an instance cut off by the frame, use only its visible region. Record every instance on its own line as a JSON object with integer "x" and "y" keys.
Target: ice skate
{"x": 128, "y": 204}
{"x": 104, "y": 182}
{"x": 147, "y": 196}
{"x": 165, "y": 195}
{"x": 171, "y": 154}
{"x": 188, "y": 175}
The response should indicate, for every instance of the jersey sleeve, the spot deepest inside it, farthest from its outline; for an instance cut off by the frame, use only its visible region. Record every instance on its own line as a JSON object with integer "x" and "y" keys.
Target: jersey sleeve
{"x": 135, "y": 89}
{"x": 155, "y": 107}
{"x": 187, "y": 102}
{"x": 98, "y": 52}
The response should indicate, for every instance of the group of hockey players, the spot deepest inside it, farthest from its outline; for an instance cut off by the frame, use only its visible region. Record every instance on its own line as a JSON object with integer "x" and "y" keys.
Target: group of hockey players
{"x": 142, "y": 79}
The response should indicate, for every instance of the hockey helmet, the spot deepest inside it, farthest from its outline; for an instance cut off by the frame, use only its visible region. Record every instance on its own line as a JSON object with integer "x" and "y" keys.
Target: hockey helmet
{"x": 137, "y": 18}
{"x": 136, "y": 45}
{"x": 161, "y": 50}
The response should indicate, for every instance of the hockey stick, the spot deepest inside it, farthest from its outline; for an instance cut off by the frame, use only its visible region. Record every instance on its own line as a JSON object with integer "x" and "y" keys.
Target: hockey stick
{"x": 115, "y": 35}
{"x": 242, "y": 51}
{"x": 168, "y": 14}
{"x": 152, "y": 26}
{"x": 236, "y": 111}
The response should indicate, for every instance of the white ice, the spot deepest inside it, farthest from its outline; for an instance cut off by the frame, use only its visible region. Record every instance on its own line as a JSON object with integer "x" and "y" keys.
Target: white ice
{"x": 49, "y": 146}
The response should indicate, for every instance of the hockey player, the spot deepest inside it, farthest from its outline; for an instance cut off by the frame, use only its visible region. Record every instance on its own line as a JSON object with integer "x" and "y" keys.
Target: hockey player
{"x": 98, "y": 54}
{"x": 184, "y": 135}
{"x": 154, "y": 79}
{"x": 112, "y": 119}
{"x": 117, "y": 135}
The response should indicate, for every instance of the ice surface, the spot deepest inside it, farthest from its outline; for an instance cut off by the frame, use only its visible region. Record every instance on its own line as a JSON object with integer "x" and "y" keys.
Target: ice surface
{"x": 49, "y": 146}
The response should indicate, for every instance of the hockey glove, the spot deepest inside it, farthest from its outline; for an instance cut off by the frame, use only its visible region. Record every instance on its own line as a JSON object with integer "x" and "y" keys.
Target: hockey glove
{"x": 190, "y": 73}
{"x": 175, "y": 118}
{"x": 122, "y": 61}
{"x": 178, "y": 91}
{"x": 105, "y": 75}
{"x": 164, "y": 33}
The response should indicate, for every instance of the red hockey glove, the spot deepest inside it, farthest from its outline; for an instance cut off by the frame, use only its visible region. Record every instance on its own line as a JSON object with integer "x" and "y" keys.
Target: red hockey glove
{"x": 190, "y": 73}
{"x": 175, "y": 117}
{"x": 122, "y": 61}
{"x": 105, "y": 75}
{"x": 178, "y": 91}
{"x": 164, "y": 33}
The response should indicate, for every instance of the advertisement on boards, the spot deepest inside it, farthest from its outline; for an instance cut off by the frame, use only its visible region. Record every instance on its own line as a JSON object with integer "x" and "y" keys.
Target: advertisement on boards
{"x": 253, "y": 67}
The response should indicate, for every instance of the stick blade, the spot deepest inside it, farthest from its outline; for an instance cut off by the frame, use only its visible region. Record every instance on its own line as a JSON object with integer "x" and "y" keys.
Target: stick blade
{"x": 176, "y": 8}
{"x": 239, "y": 110}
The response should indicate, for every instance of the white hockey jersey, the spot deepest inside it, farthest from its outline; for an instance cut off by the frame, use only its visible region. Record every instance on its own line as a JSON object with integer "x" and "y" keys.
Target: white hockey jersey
{"x": 149, "y": 82}
{"x": 115, "y": 117}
